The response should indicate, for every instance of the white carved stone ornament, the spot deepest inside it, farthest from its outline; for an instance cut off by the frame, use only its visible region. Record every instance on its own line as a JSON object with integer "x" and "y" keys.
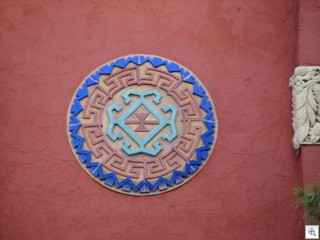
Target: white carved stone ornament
{"x": 305, "y": 85}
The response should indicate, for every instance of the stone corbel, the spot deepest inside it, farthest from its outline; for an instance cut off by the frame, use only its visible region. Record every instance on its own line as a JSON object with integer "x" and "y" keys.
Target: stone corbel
{"x": 305, "y": 85}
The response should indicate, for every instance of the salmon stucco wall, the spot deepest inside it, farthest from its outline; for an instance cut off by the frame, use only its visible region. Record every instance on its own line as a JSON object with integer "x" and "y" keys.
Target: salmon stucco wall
{"x": 308, "y": 45}
{"x": 244, "y": 53}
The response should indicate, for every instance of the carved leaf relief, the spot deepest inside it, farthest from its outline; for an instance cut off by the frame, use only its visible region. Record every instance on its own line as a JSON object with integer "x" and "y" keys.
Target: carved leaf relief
{"x": 305, "y": 85}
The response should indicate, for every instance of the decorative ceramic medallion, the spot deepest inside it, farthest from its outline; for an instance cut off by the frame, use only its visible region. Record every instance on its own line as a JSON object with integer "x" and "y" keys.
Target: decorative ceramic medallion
{"x": 142, "y": 125}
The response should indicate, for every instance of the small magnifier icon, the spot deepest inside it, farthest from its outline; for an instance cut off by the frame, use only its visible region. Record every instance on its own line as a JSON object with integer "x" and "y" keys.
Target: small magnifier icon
{"x": 312, "y": 232}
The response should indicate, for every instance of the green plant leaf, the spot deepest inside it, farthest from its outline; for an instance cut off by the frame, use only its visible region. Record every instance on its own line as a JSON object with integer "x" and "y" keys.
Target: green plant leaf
{"x": 309, "y": 199}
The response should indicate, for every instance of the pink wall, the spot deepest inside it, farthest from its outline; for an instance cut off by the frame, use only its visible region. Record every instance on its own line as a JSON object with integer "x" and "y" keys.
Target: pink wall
{"x": 309, "y": 33}
{"x": 310, "y": 165}
{"x": 243, "y": 51}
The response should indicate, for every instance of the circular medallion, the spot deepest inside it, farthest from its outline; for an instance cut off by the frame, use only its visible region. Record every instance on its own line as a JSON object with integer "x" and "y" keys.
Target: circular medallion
{"x": 142, "y": 125}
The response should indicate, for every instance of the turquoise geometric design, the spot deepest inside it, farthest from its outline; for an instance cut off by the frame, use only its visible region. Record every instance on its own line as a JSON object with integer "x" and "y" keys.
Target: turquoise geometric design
{"x": 121, "y": 122}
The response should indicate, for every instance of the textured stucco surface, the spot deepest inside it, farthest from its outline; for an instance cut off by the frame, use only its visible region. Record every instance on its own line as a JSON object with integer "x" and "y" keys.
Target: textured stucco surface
{"x": 310, "y": 166}
{"x": 243, "y": 51}
{"x": 309, "y": 33}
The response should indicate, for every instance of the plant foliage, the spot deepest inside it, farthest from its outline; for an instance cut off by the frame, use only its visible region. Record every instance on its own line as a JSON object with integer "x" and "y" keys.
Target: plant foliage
{"x": 309, "y": 199}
